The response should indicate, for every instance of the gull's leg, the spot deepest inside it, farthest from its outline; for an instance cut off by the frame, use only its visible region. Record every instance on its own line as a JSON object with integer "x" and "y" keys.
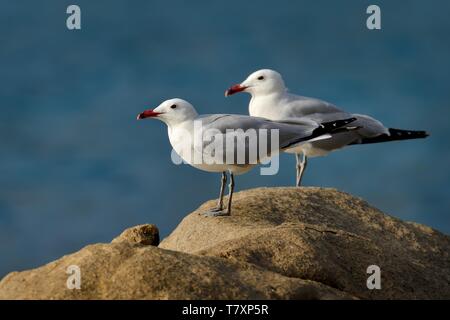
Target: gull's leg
{"x": 218, "y": 211}
{"x": 297, "y": 166}
{"x": 230, "y": 193}
{"x": 301, "y": 166}
{"x": 222, "y": 191}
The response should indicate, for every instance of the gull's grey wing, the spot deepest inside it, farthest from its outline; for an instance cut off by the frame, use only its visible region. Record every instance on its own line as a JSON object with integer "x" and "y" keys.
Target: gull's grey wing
{"x": 303, "y": 128}
{"x": 245, "y": 137}
{"x": 322, "y": 111}
{"x": 298, "y": 106}
{"x": 370, "y": 127}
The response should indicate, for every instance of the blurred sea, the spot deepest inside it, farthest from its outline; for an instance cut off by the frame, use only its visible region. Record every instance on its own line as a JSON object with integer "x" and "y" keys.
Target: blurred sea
{"x": 77, "y": 168}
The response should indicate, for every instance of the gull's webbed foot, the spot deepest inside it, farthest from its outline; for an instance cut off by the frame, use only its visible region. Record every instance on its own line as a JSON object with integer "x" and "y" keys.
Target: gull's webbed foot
{"x": 216, "y": 212}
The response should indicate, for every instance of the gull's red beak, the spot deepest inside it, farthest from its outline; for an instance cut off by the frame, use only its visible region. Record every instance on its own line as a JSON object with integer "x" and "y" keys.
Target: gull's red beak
{"x": 234, "y": 89}
{"x": 148, "y": 114}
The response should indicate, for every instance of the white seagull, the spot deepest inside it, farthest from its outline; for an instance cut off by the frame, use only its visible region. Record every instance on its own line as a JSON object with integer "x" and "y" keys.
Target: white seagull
{"x": 270, "y": 99}
{"x": 182, "y": 121}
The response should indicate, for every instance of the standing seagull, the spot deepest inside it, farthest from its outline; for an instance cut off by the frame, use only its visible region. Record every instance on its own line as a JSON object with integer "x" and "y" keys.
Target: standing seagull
{"x": 182, "y": 121}
{"x": 271, "y": 100}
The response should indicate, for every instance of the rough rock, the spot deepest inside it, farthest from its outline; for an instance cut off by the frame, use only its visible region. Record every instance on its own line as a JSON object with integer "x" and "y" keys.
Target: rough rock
{"x": 146, "y": 234}
{"x": 279, "y": 243}
{"x": 326, "y": 236}
{"x": 123, "y": 270}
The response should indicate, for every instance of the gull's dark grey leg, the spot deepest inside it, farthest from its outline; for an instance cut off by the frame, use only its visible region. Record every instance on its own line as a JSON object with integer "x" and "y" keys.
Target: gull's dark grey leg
{"x": 222, "y": 191}
{"x": 230, "y": 193}
{"x": 218, "y": 211}
{"x": 301, "y": 166}
{"x": 297, "y": 167}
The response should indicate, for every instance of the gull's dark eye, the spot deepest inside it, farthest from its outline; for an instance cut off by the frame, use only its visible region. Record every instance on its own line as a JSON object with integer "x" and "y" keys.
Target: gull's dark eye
{"x": 173, "y": 106}
{"x": 261, "y": 78}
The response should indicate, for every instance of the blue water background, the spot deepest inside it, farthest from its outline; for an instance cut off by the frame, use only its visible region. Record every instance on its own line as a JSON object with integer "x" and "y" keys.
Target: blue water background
{"x": 77, "y": 168}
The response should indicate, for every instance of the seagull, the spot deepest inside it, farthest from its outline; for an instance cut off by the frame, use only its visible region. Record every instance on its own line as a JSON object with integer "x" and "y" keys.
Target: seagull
{"x": 270, "y": 99}
{"x": 192, "y": 144}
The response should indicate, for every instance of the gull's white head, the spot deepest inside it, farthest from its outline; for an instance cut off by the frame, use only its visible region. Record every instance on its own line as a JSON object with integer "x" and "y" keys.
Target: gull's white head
{"x": 261, "y": 82}
{"x": 172, "y": 111}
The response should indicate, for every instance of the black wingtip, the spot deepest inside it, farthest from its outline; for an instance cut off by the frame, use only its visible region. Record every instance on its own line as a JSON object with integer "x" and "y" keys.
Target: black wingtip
{"x": 407, "y": 134}
{"x": 337, "y": 123}
{"x": 332, "y": 126}
{"x": 395, "y": 135}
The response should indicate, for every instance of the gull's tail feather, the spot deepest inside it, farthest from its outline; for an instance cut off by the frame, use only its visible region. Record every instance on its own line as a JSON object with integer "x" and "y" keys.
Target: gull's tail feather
{"x": 394, "y": 135}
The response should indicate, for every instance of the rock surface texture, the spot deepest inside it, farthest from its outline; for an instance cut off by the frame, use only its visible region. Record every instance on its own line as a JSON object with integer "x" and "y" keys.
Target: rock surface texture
{"x": 279, "y": 243}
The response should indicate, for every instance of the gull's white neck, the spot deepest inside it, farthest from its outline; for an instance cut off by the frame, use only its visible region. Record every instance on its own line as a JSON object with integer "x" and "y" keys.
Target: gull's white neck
{"x": 181, "y": 135}
{"x": 267, "y": 106}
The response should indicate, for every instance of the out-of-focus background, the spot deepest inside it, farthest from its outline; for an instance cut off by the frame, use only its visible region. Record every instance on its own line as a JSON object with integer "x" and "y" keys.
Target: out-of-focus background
{"x": 76, "y": 167}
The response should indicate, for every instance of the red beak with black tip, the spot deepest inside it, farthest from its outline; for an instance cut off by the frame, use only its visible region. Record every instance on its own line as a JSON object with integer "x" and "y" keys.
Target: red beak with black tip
{"x": 235, "y": 89}
{"x": 148, "y": 114}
